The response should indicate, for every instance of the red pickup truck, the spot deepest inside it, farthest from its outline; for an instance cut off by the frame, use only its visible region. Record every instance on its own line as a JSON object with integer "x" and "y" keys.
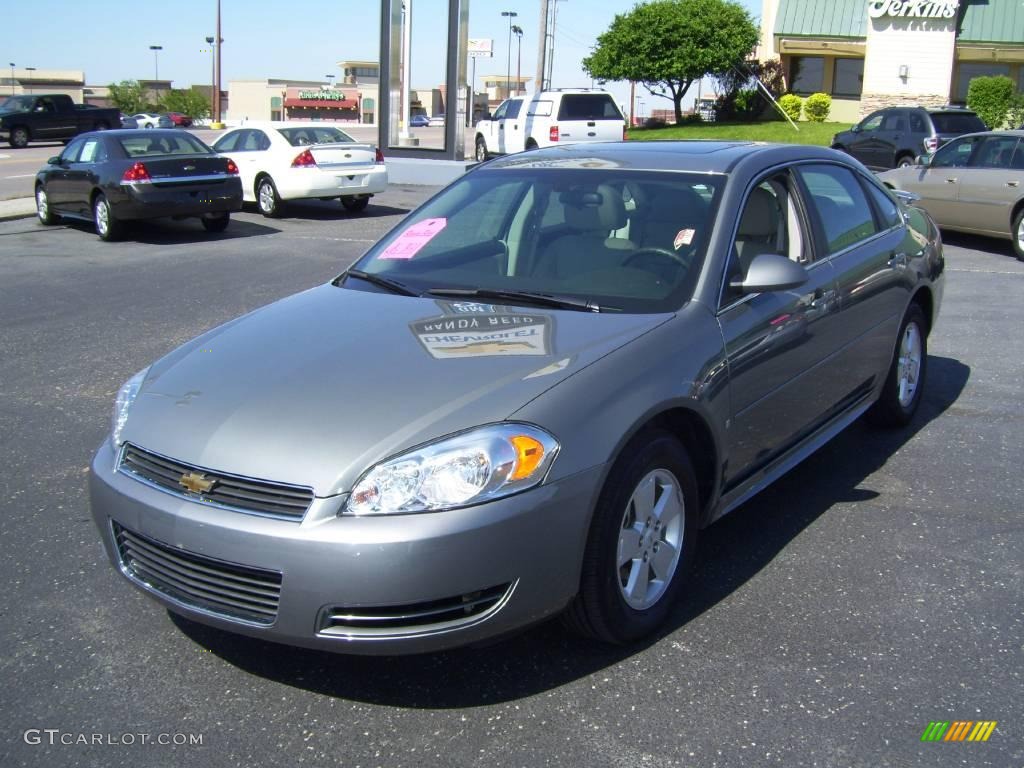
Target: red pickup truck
{"x": 50, "y": 117}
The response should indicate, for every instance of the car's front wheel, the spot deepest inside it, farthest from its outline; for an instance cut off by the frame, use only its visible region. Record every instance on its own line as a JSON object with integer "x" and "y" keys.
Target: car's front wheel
{"x": 267, "y": 198}
{"x": 107, "y": 227}
{"x": 1017, "y": 234}
{"x": 641, "y": 542}
{"x": 19, "y": 138}
{"x": 355, "y": 204}
{"x": 216, "y": 222}
{"x": 904, "y": 384}
{"x": 43, "y": 210}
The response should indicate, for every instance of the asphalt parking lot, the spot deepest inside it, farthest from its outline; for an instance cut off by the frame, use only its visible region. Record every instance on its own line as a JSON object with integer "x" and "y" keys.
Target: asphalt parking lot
{"x": 876, "y": 588}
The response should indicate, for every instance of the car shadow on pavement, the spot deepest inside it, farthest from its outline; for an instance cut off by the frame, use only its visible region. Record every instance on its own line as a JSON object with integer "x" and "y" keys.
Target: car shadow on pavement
{"x": 329, "y": 210}
{"x": 546, "y": 656}
{"x": 993, "y": 245}
{"x": 171, "y": 232}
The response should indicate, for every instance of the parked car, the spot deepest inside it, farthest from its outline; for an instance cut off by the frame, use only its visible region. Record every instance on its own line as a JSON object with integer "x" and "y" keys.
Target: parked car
{"x": 129, "y": 122}
{"x": 117, "y": 176}
{"x": 893, "y": 137}
{"x": 560, "y": 116}
{"x": 50, "y": 117}
{"x": 179, "y": 120}
{"x": 972, "y": 184}
{"x": 282, "y": 161}
{"x": 527, "y": 398}
{"x": 153, "y": 120}
{"x": 419, "y": 121}
{"x": 436, "y": 121}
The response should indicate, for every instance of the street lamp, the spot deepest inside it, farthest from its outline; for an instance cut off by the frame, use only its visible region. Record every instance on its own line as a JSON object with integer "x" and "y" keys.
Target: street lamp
{"x": 508, "y": 77}
{"x": 30, "y": 70}
{"x": 330, "y": 80}
{"x": 12, "y": 76}
{"x": 156, "y": 64}
{"x": 518, "y": 32}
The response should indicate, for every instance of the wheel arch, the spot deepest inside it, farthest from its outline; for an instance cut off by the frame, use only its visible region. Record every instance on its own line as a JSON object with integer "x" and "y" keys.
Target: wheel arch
{"x": 1014, "y": 212}
{"x": 256, "y": 182}
{"x": 923, "y": 297}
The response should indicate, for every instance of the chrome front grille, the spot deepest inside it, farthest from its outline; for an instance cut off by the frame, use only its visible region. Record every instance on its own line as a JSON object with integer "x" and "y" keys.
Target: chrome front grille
{"x": 414, "y": 619}
{"x": 238, "y": 493}
{"x": 227, "y": 589}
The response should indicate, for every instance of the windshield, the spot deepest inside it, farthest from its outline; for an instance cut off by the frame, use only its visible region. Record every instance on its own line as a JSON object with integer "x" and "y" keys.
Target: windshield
{"x": 626, "y": 241}
{"x": 17, "y": 103}
{"x": 301, "y": 137}
{"x": 148, "y": 144}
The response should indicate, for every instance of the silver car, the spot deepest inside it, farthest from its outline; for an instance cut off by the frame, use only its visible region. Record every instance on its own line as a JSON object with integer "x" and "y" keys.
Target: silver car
{"x": 526, "y": 400}
{"x": 972, "y": 184}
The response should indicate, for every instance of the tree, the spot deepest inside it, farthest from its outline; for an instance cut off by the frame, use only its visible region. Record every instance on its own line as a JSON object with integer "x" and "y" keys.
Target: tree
{"x": 666, "y": 45}
{"x": 128, "y": 96}
{"x": 188, "y": 101}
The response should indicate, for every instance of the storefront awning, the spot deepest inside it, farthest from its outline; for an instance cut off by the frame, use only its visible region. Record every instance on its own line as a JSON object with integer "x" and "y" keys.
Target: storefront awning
{"x": 815, "y": 18}
{"x": 995, "y": 21}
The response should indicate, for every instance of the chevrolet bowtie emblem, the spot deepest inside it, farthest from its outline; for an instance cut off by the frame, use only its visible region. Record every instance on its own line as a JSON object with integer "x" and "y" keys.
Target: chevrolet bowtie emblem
{"x": 196, "y": 482}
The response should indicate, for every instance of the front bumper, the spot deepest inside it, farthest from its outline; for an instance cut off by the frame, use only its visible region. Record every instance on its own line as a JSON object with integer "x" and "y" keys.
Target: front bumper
{"x": 525, "y": 551}
{"x": 316, "y": 182}
{"x": 152, "y": 201}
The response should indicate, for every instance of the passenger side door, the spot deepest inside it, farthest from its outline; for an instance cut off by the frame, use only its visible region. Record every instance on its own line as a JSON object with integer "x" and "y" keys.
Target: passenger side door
{"x": 865, "y": 144}
{"x": 50, "y": 123}
{"x": 510, "y": 128}
{"x": 891, "y": 136}
{"x": 57, "y": 183}
{"x": 938, "y": 184}
{"x": 990, "y": 185}
{"x": 780, "y": 345}
{"x": 82, "y": 175}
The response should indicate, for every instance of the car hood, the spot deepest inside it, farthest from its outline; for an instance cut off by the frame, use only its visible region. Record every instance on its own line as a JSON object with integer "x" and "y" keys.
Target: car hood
{"x": 316, "y": 388}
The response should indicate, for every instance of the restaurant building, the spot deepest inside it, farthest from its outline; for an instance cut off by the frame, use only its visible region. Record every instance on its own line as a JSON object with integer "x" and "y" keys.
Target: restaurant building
{"x": 868, "y": 54}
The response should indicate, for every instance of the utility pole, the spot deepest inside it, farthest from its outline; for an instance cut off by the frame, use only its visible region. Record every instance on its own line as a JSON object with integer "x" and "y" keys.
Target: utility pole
{"x": 518, "y": 31}
{"x": 218, "y": 44}
{"x": 542, "y": 46}
{"x": 508, "y": 70}
{"x": 551, "y": 55}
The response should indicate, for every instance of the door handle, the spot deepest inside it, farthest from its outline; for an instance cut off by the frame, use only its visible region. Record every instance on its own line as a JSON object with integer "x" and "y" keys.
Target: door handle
{"x": 822, "y": 299}
{"x": 898, "y": 261}
{"x": 952, "y": 181}
{"x": 1013, "y": 183}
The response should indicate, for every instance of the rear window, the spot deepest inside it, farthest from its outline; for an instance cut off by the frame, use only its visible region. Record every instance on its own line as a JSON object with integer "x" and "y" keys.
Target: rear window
{"x": 148, "y": 145}
{"x": 303, "y": 137}
{"x": 957, "y": 122}
{"x": 588, "y": 106}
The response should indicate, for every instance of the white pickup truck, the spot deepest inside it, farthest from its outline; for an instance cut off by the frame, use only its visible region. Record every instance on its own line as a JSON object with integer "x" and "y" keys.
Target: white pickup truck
{"x": 561, "y": 116}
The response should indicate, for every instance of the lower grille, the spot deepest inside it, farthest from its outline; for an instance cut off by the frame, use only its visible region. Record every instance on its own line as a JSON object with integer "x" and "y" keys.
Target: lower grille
{"x": 238, "y": 493}
{"x": 226, "y": 589}
{"x": 416, "y": 618}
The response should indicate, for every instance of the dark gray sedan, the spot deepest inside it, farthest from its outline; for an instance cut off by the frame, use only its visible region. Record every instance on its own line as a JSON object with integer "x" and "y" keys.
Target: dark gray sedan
{"x": 527, "y": 399}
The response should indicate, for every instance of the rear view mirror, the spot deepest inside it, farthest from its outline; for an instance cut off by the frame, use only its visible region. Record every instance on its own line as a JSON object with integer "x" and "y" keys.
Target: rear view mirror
{"x": 771, "y": 272}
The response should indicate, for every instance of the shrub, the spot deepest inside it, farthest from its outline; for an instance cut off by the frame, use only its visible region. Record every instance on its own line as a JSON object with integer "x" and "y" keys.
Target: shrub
{"x": 791, "y": 104}
{"x": 654, "y": 122}
{"x": 1015, "y": 117}
{"x": 817, "y": 107}
{"x": 991, "y": 98}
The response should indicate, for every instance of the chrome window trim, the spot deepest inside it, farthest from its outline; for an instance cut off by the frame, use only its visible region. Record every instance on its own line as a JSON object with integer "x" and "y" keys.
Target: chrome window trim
{"x": 179, "y": 179}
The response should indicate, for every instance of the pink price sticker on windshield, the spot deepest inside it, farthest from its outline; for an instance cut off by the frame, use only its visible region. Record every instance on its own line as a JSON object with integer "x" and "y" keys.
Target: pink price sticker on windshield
{"x": 409, "y": 243}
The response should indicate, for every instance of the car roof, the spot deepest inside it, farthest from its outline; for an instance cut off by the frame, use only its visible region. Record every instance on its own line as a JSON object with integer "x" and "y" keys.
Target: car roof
{"x": 697, "y": 156}
{"x": 274, "y": 124}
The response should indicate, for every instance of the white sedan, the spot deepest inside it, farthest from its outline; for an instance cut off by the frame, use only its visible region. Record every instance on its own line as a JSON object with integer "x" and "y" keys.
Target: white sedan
{"x": 281, "y": 161}
{"x": 150, "y": 120}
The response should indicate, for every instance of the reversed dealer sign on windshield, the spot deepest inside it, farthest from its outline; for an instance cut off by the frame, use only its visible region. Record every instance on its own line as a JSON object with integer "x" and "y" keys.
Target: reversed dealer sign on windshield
{"x": 915, "y": 9}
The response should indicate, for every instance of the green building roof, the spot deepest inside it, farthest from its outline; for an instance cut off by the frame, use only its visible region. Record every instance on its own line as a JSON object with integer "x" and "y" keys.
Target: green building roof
{"x": 982, "y": 21}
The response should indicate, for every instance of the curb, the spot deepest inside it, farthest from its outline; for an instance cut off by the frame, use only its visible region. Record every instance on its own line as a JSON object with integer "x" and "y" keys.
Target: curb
{"x": 19, "y": 208}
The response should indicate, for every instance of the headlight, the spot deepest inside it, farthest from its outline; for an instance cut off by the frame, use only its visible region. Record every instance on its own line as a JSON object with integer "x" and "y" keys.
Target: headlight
{"x": 469, "y": 468}
{"x": 125, "y": 398}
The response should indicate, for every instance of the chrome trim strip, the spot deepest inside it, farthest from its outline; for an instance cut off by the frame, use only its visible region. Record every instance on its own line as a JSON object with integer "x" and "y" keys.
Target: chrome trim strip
{"x": 179, "y": 179}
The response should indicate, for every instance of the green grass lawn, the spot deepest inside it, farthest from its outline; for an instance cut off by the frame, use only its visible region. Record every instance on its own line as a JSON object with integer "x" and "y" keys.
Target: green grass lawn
{"x": 776, "y": 131}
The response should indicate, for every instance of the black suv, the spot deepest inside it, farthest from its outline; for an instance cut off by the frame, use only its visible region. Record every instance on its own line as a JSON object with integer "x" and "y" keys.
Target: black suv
{"x": 894, "y": 136}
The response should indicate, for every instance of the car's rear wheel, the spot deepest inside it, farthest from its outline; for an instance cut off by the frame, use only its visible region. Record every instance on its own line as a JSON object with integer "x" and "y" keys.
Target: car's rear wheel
{"x": 904, "y": 385}
{"x": 641, "y": 542}
{"x": 481, "y": 149}
{"x": 216, "y": 222}
{"x": 1018, "y": 234}
{"x": 43, "y": 210}
{"x": 355, "y": 204}
{"x": 267, "y": 199}
{"x": 107, "y": 227}
{"x": 19, "y": 137}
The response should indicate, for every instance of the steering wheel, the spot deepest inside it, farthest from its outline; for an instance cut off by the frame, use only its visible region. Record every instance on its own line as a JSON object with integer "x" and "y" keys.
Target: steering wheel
{"x": 678, "y": 258}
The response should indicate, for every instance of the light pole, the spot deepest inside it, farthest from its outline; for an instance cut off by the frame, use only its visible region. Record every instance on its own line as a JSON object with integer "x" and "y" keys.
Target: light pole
{"x": 219, "y": 42}
{"x": 156, "y": 64}
{"x": 12, "y": 76}
{"x": 551, "y": 54}
{"x": 30, "y": 70}
{"x": 518, "y": 32}
{"x": 508, "y": 73}
{"x": 213, "y": 66}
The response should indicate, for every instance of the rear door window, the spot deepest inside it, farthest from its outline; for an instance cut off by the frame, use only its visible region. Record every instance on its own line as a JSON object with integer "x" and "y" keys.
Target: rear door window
{"x": 588, "y": 106}
{"x": 957, "y": 122}
{"x": 230, "y": 142}
{"x": 995, "y": 152}
{"x": 917, "y": 124}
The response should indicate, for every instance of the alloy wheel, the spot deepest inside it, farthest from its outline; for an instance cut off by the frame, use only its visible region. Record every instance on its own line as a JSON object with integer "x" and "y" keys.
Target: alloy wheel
{"x": 909, "y": 365}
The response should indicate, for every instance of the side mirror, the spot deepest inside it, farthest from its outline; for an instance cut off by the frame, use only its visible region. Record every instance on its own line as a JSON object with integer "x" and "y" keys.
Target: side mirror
{"x": 855, "y": 128}
{"x": 924, "y": 160}
{"x": 771, "y": 272}
{"x": 55, "y": 160}
{"x": 488, "y": 116}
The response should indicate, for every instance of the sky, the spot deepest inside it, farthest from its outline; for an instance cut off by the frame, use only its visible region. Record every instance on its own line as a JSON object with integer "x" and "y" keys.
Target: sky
{"x": 109, "y": 39}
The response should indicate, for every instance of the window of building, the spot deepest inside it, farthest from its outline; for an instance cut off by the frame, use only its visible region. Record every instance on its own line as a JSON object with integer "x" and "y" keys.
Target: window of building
{"x": 968, "y": 70}
{"x": 848, "y": 80}
{"x": 807, "y": 74}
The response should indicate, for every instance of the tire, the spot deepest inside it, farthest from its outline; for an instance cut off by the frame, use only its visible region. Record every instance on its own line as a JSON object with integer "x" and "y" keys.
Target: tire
{"x": 616, "y": 603}
{"x": 530, "y": 144}
{"x": 147, "y": 126}
{"x": 481, "y": 149}
{"x": 904, "y": 161}
{"x": 19, "y": 137}
{"x": 217, "y": 222}
{"x": 267, "y": 199}
{"x": 102, "y": 125}
{"x": 107, "y": 227}
{"x": 43, "y": 210}
{"x": 1017, "y": 234}
{"x": 355, "y": 204}
{"x": 905, "y": 381}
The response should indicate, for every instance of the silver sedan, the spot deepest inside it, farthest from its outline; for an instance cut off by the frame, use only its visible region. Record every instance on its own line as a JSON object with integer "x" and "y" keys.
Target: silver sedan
{"x": 527, "y": 399}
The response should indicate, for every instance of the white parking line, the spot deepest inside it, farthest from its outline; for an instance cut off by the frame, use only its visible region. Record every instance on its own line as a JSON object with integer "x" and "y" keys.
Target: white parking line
{"x": 5, "y": 157}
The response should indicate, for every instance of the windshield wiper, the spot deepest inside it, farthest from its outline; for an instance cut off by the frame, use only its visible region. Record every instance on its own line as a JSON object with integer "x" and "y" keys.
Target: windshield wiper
{"x": 524, "y": 297}
{"x": 384, "y": 282}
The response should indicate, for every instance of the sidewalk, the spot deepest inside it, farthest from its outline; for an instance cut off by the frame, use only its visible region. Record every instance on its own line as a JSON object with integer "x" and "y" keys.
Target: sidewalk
{"x": 18, "y": 208}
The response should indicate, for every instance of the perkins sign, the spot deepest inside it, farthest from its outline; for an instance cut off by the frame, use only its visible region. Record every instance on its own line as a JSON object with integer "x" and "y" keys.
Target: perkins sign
{"x": 913, "y": 9}
{"x": 322, "y": 95}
